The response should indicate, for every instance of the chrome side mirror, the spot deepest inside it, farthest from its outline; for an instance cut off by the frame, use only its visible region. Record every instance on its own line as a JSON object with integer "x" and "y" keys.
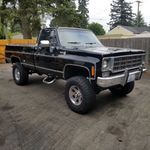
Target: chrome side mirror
{"x": 44, "y": 42}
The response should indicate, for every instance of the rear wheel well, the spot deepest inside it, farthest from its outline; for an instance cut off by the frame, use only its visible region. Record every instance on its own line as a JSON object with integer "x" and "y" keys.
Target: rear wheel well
{"x": 14, "y": 59}
{"x": 71, "y": 71}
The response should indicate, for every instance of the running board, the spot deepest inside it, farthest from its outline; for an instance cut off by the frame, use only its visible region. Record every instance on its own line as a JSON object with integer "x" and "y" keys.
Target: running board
{"x": 49, "y": 80}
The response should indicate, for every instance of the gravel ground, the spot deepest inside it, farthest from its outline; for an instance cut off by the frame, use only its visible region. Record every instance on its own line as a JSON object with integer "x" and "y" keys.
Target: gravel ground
{"x": 36, "y": 117}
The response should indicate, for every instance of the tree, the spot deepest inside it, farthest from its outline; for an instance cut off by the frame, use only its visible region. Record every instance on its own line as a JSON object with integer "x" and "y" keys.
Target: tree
{"x": 2, "y": 33}
{"x": 27, "y": 13}
{"x": 139, "y": 20}
{"x": 3, "y": 21}
{"x": 64, "y": 13}
{"x": 31, "y": 22}
{"x": 121, "y": 14}
{"x": 96, "y": 28}
{"x": 83, "y": 12}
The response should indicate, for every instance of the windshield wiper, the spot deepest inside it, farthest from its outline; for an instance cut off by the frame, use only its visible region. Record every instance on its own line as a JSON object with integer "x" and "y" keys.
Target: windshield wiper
{"x": 91, "y": 43}
{"x": 74, "y": 42}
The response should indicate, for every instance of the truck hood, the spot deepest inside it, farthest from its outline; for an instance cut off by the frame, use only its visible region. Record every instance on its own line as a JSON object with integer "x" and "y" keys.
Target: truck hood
{"x": 111, "y": 50}
{"x": 95, "y": 54}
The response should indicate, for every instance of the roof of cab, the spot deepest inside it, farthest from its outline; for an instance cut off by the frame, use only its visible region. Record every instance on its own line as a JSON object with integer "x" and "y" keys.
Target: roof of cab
{"x": 72, "y": 28}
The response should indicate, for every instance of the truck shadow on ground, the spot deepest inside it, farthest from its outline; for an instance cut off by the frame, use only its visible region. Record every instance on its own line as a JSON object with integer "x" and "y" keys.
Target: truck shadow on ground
{"x": 33, "y": 80}
{"x": 104, "y": 100}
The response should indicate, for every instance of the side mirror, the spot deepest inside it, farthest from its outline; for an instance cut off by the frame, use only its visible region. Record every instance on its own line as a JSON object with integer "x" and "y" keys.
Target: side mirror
{"x": 44, "y": 42}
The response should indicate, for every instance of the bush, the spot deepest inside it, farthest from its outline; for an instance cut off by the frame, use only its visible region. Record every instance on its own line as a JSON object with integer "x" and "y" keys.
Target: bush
{"x": 96, "y": 28}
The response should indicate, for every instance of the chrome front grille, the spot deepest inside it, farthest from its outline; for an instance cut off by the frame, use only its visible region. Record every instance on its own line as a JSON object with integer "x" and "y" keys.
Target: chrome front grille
{"x": 129, "y": 62}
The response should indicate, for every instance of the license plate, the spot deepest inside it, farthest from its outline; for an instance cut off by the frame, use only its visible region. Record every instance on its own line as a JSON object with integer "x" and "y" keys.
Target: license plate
{"x": 131, "y": 78}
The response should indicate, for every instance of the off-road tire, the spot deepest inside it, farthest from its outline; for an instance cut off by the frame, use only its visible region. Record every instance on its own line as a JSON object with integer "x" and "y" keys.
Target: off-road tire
{"x": 122, "y": 90}
{"x": 88, "y": 94}
{"x": 24, "y": 76}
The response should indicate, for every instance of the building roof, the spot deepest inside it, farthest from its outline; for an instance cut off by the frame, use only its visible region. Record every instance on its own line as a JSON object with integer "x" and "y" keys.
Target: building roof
{"x": 145, "y": 34}
{"x": 137, "y": 30}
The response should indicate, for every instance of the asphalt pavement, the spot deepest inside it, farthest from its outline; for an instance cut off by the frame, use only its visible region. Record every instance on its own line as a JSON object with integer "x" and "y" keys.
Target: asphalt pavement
{"x": 36, "y": 117}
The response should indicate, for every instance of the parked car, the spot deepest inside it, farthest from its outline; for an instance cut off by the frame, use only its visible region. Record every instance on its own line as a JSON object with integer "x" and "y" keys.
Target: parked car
{"x": 77, "y": 56}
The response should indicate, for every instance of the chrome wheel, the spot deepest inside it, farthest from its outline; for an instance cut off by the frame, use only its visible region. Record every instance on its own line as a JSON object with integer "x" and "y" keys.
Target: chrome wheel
{"x": 17, "y": 74}
{"x": 75, "y": 95}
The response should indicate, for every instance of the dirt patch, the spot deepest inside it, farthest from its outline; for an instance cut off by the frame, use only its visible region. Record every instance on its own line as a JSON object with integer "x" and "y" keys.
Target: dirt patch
{"x": 116, "y": 131}
{"x": 1, "y": 120}
{"x": 147, "y": 73}
{"x": 2, "y": 140}
{"x": 7, "y": 107}
{"x": 10, "y": 80}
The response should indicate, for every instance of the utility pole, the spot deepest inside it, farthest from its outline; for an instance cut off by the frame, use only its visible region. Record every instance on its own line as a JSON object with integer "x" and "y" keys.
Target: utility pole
{"x": 138, "y": 3}
{"x": 138, "y": 11}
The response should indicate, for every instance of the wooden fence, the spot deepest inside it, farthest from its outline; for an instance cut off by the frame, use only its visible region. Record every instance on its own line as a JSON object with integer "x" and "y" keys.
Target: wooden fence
{"x": 134, "y": 43}
{"x": 3, "y": 44}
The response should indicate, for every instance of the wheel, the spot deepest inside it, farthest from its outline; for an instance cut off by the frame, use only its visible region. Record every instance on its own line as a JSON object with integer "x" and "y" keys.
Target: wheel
{"x": 79, "y": 94}
{"x": 20, "y": 74}
{"x": 122, "y": 90}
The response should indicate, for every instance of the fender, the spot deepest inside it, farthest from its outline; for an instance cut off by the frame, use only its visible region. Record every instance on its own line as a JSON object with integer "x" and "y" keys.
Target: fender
{"x": 79, "y": 66}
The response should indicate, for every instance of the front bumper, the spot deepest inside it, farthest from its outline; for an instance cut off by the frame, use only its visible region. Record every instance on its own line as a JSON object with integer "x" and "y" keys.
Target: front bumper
{"x": 122, "y": 79}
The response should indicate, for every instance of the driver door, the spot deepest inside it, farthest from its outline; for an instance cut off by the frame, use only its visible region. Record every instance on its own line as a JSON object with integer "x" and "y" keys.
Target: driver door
{"x": 44, "y": 57}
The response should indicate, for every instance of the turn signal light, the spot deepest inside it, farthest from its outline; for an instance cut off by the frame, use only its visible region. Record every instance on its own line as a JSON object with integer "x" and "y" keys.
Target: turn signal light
{"x": 93, "y": 71}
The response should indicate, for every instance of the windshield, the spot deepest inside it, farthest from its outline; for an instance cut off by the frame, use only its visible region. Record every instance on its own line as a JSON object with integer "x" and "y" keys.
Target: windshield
{"x": 74, "y": 38}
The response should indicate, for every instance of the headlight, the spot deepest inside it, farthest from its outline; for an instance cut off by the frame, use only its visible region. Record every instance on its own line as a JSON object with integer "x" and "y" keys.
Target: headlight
{"x": 107, "y": 64}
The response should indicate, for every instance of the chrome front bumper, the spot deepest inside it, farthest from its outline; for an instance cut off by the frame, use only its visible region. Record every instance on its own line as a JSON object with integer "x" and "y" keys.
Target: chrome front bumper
{"x": 122, "y": 79}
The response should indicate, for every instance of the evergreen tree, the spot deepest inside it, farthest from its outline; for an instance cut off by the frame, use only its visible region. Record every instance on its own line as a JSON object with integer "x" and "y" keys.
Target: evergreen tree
{"x": 121, "y": 14}
{"x": 83, "y": 12}
{"x": 64, "y": 13}
{"x": 139, "y": 20}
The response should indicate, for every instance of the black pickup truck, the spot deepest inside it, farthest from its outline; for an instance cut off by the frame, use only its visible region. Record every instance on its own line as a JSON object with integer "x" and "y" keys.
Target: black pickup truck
{"x": 76, "y": 55}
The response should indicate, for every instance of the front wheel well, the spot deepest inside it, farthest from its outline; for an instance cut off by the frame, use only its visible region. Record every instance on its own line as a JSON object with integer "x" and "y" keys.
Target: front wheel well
{"x": 14, "y": 59}
{"x": 71, "y": 71}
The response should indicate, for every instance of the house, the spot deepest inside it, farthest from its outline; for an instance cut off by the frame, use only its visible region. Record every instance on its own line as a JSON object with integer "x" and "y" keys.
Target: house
{"x": 128, "y": 30}
{"x": 144, "y": 34}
